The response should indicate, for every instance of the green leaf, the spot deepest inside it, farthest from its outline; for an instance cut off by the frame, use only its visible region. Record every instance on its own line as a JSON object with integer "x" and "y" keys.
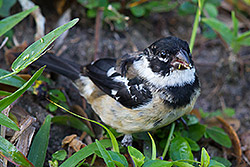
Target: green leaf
{"x": 153, "y": 147}
{"x": 235, "y": 24}
{"x": 230, "y": 112}
{"x": 214, "y": 163}
{"x": 136, "y": 155}
{"x": 195, "y": 132}
{"x": 72, "y": 122}
{"x": 52, "y": 107}
{"x": 11, "y": 153}
{"x": 33, "y": 52}
{"x": 219, "y": 136}
{"x": 57, "y": 94}
{"x": 91, "y": 13}
{"x": 9, "y": 99}
{"x": 84, "y": 153}
{"x": 180, "y": 149}
{"x": 187, "y": 8}
{"x": 116, "y": 157}
{"x": 221, "y": 28}
{"x": 182, "y": 164}
{"x": 205, "y": 158}
{"x": 59, "y": 155}
{"x": 9, "y": 22}
{"x": 40, "y": 143}
{"x": 194, "y": 146}
{"x": 224, "y": 161}
{"x": 13, "y": 80}
{"x": 158, "y": 163}
{"x": 211, "y": 10}
{"x": 4, "y": 93}
{"x": 138, "y": 11}
{"x": 105, "y": 155}
{"x": 244, "y": 42}
{"x": 6, "y": 121}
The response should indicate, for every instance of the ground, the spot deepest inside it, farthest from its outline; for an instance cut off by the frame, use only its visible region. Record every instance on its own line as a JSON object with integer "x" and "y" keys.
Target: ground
{"x": 222, "y": 87}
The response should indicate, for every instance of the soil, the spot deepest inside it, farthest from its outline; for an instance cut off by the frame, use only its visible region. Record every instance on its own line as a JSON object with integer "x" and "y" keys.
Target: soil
{"x": 222, "y": 86}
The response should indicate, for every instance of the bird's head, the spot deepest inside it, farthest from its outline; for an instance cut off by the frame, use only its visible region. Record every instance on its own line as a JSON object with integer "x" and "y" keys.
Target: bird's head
{"x": 168, "y": 61}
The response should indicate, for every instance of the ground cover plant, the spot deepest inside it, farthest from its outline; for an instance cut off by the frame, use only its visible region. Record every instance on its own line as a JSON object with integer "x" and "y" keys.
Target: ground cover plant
{"x": 174, "y": 145}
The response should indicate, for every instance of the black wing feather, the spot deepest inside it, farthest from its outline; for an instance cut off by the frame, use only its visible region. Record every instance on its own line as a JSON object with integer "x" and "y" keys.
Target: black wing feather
{"x": 130, "y": 93}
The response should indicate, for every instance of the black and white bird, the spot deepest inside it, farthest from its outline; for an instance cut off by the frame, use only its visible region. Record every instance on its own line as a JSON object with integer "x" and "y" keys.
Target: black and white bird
{"x": 140, "y": 91}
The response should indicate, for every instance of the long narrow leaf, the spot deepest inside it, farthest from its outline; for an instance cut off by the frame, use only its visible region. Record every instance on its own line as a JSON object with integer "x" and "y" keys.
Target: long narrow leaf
{"x": 33, "y": 52}
{"x": 9, "y": 99}
{"x": 40, "y": 144}
{"x": 105, "y": 155}
{"x": 6, "y": 121}
{"x": 84, "y": 153}
{"x": 235, "y": 24}
{"x": 9, "y": 22}
{"x": 153, "y": 147}
{"x": 11, "y": 153}
{"x": 13, "y": 80}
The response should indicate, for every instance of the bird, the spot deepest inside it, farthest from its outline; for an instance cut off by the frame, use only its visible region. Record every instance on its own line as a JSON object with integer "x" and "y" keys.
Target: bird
{"x": 139, "y": 91}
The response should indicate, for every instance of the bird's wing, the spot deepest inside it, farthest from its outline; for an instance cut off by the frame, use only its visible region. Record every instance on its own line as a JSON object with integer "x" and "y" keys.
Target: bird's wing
{"x": 131, "y": 93}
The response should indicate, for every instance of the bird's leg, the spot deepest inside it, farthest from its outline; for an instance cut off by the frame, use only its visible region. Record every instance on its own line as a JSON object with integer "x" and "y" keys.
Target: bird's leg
{"x": 127, "y": 140}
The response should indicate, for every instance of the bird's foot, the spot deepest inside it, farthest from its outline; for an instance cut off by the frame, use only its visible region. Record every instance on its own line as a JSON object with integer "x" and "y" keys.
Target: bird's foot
{"x": 127, "y": 140}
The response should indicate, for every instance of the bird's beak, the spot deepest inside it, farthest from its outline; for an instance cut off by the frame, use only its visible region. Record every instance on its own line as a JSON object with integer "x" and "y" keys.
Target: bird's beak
{"x": 181, "y": 61}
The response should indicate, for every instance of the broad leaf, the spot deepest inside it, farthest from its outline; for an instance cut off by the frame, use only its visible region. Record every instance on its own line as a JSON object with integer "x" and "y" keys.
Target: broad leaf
{"x": 136, "y": 155}
{"x": 221, "y": 28}
{"x": 180, "y": 149}
{"x": 219, "y": 136}
{"x": 158, "y": 163}
{"x": 205, "y": 158}
{"x": 118, "y": 158}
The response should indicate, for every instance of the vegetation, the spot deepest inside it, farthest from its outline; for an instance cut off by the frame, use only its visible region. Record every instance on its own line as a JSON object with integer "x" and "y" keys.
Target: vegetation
{"x": 174, "y": 145}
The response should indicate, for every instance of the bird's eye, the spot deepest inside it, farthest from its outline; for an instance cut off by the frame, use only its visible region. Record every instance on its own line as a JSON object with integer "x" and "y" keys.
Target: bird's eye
{"x": 163, "y": 54}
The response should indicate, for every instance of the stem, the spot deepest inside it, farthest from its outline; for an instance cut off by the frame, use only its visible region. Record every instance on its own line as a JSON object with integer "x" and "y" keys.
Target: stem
{"x": 93, "y": 160}
{"x": 168, "y": 141}
{"x": 196, "y": 24}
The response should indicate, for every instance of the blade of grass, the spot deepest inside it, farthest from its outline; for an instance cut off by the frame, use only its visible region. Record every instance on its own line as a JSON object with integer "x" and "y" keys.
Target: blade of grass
{"x": 112, "y": 137}
{"x": 9, "y": 22}
{"x": 196, "y": 23}
{"x": 105, "y": 155}
{"x": 6, "y": 121}
{"x": 10, "y": 152}
{"x": 33, "y": 52}
{"x": 168, "y": 141}
{"x": 153, "y": 147}
{"x": 84, "y": 153}
{"x": 13, "y": 80}
{"x": 9, "y": 99}
{"x": 40, "y": 143}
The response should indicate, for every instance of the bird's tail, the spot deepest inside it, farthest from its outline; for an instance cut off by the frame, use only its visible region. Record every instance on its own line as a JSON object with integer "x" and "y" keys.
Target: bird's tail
{"x": 58, "y": 65}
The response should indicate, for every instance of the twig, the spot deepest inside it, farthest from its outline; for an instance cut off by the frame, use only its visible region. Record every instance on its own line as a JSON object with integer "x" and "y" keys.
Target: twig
{"x": 98, "y": 28}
